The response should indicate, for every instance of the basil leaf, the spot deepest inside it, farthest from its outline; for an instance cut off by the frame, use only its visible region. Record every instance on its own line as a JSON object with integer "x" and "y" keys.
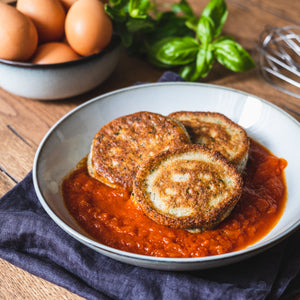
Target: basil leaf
{"x": 183, "y": 7}
{"x": 204, "y": 62}
{"x": 233, "y": 56}
{"x": 191, "y": 24}
{"x": 216, "y": 11}
{"x": 126, "y": 36}
{"x": 174, "y": 51}
{"x": 205, "y": 30}
{"x": 223, "y": 38}
{"x": 116, "y": 14}
{"x": 168, "y": 25}
{"x": 117, "y": 2}
{"x": 188, "y": 71}
{"x": 138, "y": 8}
{"x": 199, "y": 68}
{"x": 135, "y": 25}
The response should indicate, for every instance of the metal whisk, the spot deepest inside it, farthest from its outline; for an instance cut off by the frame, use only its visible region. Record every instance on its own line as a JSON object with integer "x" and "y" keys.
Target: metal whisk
{"x": 279, "y": 58}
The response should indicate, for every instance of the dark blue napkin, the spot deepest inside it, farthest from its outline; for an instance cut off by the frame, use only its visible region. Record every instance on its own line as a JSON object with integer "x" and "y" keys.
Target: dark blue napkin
{"x": 31, "y": 240}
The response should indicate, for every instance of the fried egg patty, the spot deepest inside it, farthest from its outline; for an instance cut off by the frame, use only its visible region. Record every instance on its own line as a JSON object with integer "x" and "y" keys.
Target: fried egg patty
{"x": 122, "y": 145}
{"x": 218, "y": 133}
{"x": 191, "y": 187}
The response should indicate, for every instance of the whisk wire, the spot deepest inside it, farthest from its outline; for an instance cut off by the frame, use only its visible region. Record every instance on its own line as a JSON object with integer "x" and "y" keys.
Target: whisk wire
{"x": 279, "y": 53}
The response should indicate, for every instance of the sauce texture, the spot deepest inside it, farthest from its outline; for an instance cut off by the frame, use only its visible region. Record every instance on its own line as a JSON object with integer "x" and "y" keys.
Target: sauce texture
{"x": 110, "y": 217}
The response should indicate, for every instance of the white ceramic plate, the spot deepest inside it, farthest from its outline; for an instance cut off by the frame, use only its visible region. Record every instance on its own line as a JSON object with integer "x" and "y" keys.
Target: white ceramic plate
{"x": 68, "y": 141}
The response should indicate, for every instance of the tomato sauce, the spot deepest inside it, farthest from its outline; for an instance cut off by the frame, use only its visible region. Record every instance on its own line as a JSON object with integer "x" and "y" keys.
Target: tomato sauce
{"x": 109, "y": 216}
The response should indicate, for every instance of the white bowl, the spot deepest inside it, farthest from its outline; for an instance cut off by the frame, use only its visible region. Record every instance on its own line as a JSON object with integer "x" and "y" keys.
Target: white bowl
{"x": 68, "y": 141}
{"x": 62, "y": 80}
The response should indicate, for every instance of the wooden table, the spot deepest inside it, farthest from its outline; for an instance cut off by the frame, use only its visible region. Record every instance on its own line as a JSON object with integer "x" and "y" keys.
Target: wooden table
{"x": 24, "y": 122}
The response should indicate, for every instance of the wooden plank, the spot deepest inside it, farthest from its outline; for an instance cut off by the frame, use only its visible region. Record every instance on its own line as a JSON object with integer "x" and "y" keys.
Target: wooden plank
{"x": 288, "y": 10}
{"x": 16, "y": 154}
{"x": 18, "y": 284}
{"x": 6, "y": 183}
{"x": 30, "y": 118}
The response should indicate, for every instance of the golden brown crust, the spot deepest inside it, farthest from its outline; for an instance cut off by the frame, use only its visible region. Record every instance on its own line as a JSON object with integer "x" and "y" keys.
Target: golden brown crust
{"x": 122, "y": 145}
{"x": 188, "y": 187}
{"x": 218, "y": 133}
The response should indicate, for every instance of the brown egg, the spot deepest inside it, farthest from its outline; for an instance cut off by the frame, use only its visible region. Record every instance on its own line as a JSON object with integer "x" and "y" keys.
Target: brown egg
{"x": 18, "y": 34}
{"x": 47, "y": 15}
{"x": 88, "y": 28}
{"x": 54, "y": 52}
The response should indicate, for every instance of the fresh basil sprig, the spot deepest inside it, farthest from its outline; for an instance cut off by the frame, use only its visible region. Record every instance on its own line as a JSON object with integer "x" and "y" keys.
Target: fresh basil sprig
{"x": 177, "y": 38}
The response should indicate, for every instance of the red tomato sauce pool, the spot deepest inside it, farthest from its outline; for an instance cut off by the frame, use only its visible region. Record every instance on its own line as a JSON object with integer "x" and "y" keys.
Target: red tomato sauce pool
{"x": 110, "y": 217}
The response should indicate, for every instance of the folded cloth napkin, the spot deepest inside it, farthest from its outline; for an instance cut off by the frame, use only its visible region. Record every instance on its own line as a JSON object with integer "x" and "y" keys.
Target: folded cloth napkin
{"x": 31, "y": 240}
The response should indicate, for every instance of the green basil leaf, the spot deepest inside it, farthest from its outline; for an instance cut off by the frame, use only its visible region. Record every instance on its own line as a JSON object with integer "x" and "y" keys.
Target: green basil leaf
{"x": 204, "y": 62}
{"x": 126, "y": 36}
{"x": 191, "y": 24}
{"x": 117, "y": 2}
{"x": 138, "y": 8}
{"x": 140, "y": 25}
{"x": 199, "y": 68}
{"x": 187, "y": 71}
{"x": 116, "y": 14}
{"x": 174, "y": 51}
{"x": 216, "y": 10}
{"x": 168, "y": 25}
{"x": 233, "y": 56}
{"x": 184, "y": 8}
{"x": 223, "y": 38}
{"x": 205, "y": 30}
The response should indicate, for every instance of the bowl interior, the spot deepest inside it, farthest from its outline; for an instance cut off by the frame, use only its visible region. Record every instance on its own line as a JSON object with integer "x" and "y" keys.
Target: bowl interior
{"x": 69, "y": 140}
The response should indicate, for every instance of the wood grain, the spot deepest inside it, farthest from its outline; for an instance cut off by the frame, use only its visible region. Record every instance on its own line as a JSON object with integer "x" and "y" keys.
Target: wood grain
{"x": 18, "y": 284}
{"x": 24, "y": 122}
